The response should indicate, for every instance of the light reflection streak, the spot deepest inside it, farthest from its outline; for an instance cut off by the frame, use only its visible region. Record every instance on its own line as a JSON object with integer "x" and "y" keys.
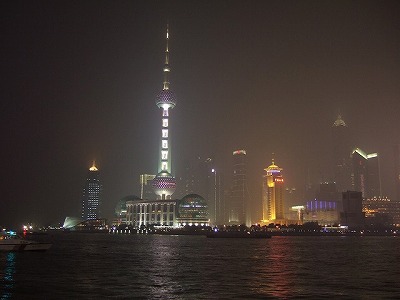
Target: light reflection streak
{"x": 273, "y": 269}
{"x": 8, "y": 279}
{"x": 165, "y": 265}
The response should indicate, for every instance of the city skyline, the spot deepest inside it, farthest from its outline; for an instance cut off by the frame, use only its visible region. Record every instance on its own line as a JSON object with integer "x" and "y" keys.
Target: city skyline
{"x": 80, "y": 82}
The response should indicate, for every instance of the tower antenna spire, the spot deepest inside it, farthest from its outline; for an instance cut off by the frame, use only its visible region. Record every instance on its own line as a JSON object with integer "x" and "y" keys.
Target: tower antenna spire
{"x": 166, "y": 65}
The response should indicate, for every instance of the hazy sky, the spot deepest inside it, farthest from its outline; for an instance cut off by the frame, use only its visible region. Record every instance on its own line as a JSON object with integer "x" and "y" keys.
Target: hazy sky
{"x": 80, "y": 78}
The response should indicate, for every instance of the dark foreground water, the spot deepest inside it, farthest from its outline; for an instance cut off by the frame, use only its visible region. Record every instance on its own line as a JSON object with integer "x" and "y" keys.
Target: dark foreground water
{"x": 102, "y": 266}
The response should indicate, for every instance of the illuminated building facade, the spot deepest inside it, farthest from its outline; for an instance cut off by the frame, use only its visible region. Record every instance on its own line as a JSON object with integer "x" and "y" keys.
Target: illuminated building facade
{"x": 239, "y": 194}
{"x": 381, "y": 211}
{"x": 146, "y": 186}
{"x": 190, "y": 210}
{"x": 341, "y": 150}
{"x": 164, "y": 183}
{"x": 92, "y": 195}
{"x": 366, "y": 173}
{"x": 273, "y": 195}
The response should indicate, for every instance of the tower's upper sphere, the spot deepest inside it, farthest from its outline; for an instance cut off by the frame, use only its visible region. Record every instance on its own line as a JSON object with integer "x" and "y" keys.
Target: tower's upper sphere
{"x": 166, "y": 98}
{"x": 164, "y": 184}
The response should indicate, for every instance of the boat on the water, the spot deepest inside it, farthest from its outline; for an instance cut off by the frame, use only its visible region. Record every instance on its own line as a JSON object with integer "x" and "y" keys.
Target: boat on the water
{"x": 239, "y": 234}
{"x": 10, "y": 241}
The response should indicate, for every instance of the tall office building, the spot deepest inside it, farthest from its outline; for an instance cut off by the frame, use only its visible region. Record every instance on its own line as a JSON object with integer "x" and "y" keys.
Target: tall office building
{"x": 239, "y": 194}
{"x": 164, "y": 183}
{"x": 366, "y": 173}
{"x": 273, "y": 195}
{"x": 341, "y": 150}
{"x": 92, "y": 195}
{"x": 215, "y": 197}
{"x": 146, "y": 186}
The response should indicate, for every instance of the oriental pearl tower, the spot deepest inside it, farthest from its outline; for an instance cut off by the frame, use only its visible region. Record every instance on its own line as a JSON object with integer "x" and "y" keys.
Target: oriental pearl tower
{"x": 164, "y": 183}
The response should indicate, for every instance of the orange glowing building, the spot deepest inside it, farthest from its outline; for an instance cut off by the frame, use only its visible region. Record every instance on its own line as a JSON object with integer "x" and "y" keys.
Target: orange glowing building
{"x": 273, "y": 195}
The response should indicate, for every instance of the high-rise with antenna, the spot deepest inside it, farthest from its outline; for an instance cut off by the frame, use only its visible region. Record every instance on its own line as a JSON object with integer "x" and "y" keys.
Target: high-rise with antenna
{"x": 164, "y": 183}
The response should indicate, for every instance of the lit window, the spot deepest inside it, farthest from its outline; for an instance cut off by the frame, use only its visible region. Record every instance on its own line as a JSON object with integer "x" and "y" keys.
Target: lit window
{"x": 164, "y": 154}
{"x": 165, "y": 113}
{"x": 164, "y": 166}
{"x": 164, "y": 144}
{"x": 165, "y": 133}
{"x": 165, "y": 122}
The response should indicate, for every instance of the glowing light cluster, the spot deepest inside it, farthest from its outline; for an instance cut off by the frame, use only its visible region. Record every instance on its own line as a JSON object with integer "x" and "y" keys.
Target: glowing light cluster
{"x": 164, "y": 184}
{"x": 166, "y": 97}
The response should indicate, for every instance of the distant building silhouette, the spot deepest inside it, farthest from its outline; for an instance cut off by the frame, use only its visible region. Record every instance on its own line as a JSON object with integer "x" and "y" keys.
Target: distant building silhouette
{"x": 352, "y": 214}
{"x": 236, "y": 208}
{"x": 273, "y": 195}
{"x": 341, "y": 150}
{"x": 146, "y": 186}
{"x": 366, "y": 173}
{"x": 202, "y": 177}
{"x": 91, "y": 199}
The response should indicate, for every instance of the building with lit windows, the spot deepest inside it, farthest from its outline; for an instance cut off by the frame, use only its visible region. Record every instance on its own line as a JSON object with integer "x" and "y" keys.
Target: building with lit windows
{"x": 164, "y": 183}
{"x": 238, "y": 199}
{"x": 381, "y": 211}
{"x": 366, "y": 173}
{"x": 91, "y": 199}
{"x": 273, "y": 195}
{"x": 190, "y": 210}
{"x": 341, "y": 150}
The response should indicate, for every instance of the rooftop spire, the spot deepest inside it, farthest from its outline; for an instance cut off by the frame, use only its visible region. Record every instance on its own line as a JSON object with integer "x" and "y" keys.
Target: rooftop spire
{"x": 93, "y": 167}
{"x": 166, "y": 65}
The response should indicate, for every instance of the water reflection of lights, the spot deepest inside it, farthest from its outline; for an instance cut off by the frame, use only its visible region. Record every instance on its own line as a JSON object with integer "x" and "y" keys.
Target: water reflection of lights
{"x": 273, "y": 265}
{"x": 164, "y": 268}
{"x": 8, "y": 278}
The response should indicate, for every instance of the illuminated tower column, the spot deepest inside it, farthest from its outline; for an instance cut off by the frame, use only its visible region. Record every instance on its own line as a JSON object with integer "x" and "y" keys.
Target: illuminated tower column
{"x": 164, "y": 183}
{"x": 273, "y": 194}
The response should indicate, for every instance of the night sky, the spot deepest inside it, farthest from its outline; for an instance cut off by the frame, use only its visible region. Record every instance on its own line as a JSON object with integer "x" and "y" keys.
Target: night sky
{"x": 79, "y": 80}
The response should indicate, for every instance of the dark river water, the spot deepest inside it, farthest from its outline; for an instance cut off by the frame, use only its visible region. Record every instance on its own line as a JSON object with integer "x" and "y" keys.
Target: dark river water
{"x": 102, "y": 266}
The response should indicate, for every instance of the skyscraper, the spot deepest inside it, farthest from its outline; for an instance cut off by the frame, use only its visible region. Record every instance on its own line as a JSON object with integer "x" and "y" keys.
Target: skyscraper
{"x": 239, "y": 194}
{"x": 273, "y": 195}
{"x": 92, "y": 195}
{"x": 164, "y": 183}
{"x": 341, "y": 151}
{"x": 366, "y": 174}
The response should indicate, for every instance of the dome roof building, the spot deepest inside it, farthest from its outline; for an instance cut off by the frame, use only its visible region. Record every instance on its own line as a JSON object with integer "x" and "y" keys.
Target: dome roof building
{"x": 192, "y": 210}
